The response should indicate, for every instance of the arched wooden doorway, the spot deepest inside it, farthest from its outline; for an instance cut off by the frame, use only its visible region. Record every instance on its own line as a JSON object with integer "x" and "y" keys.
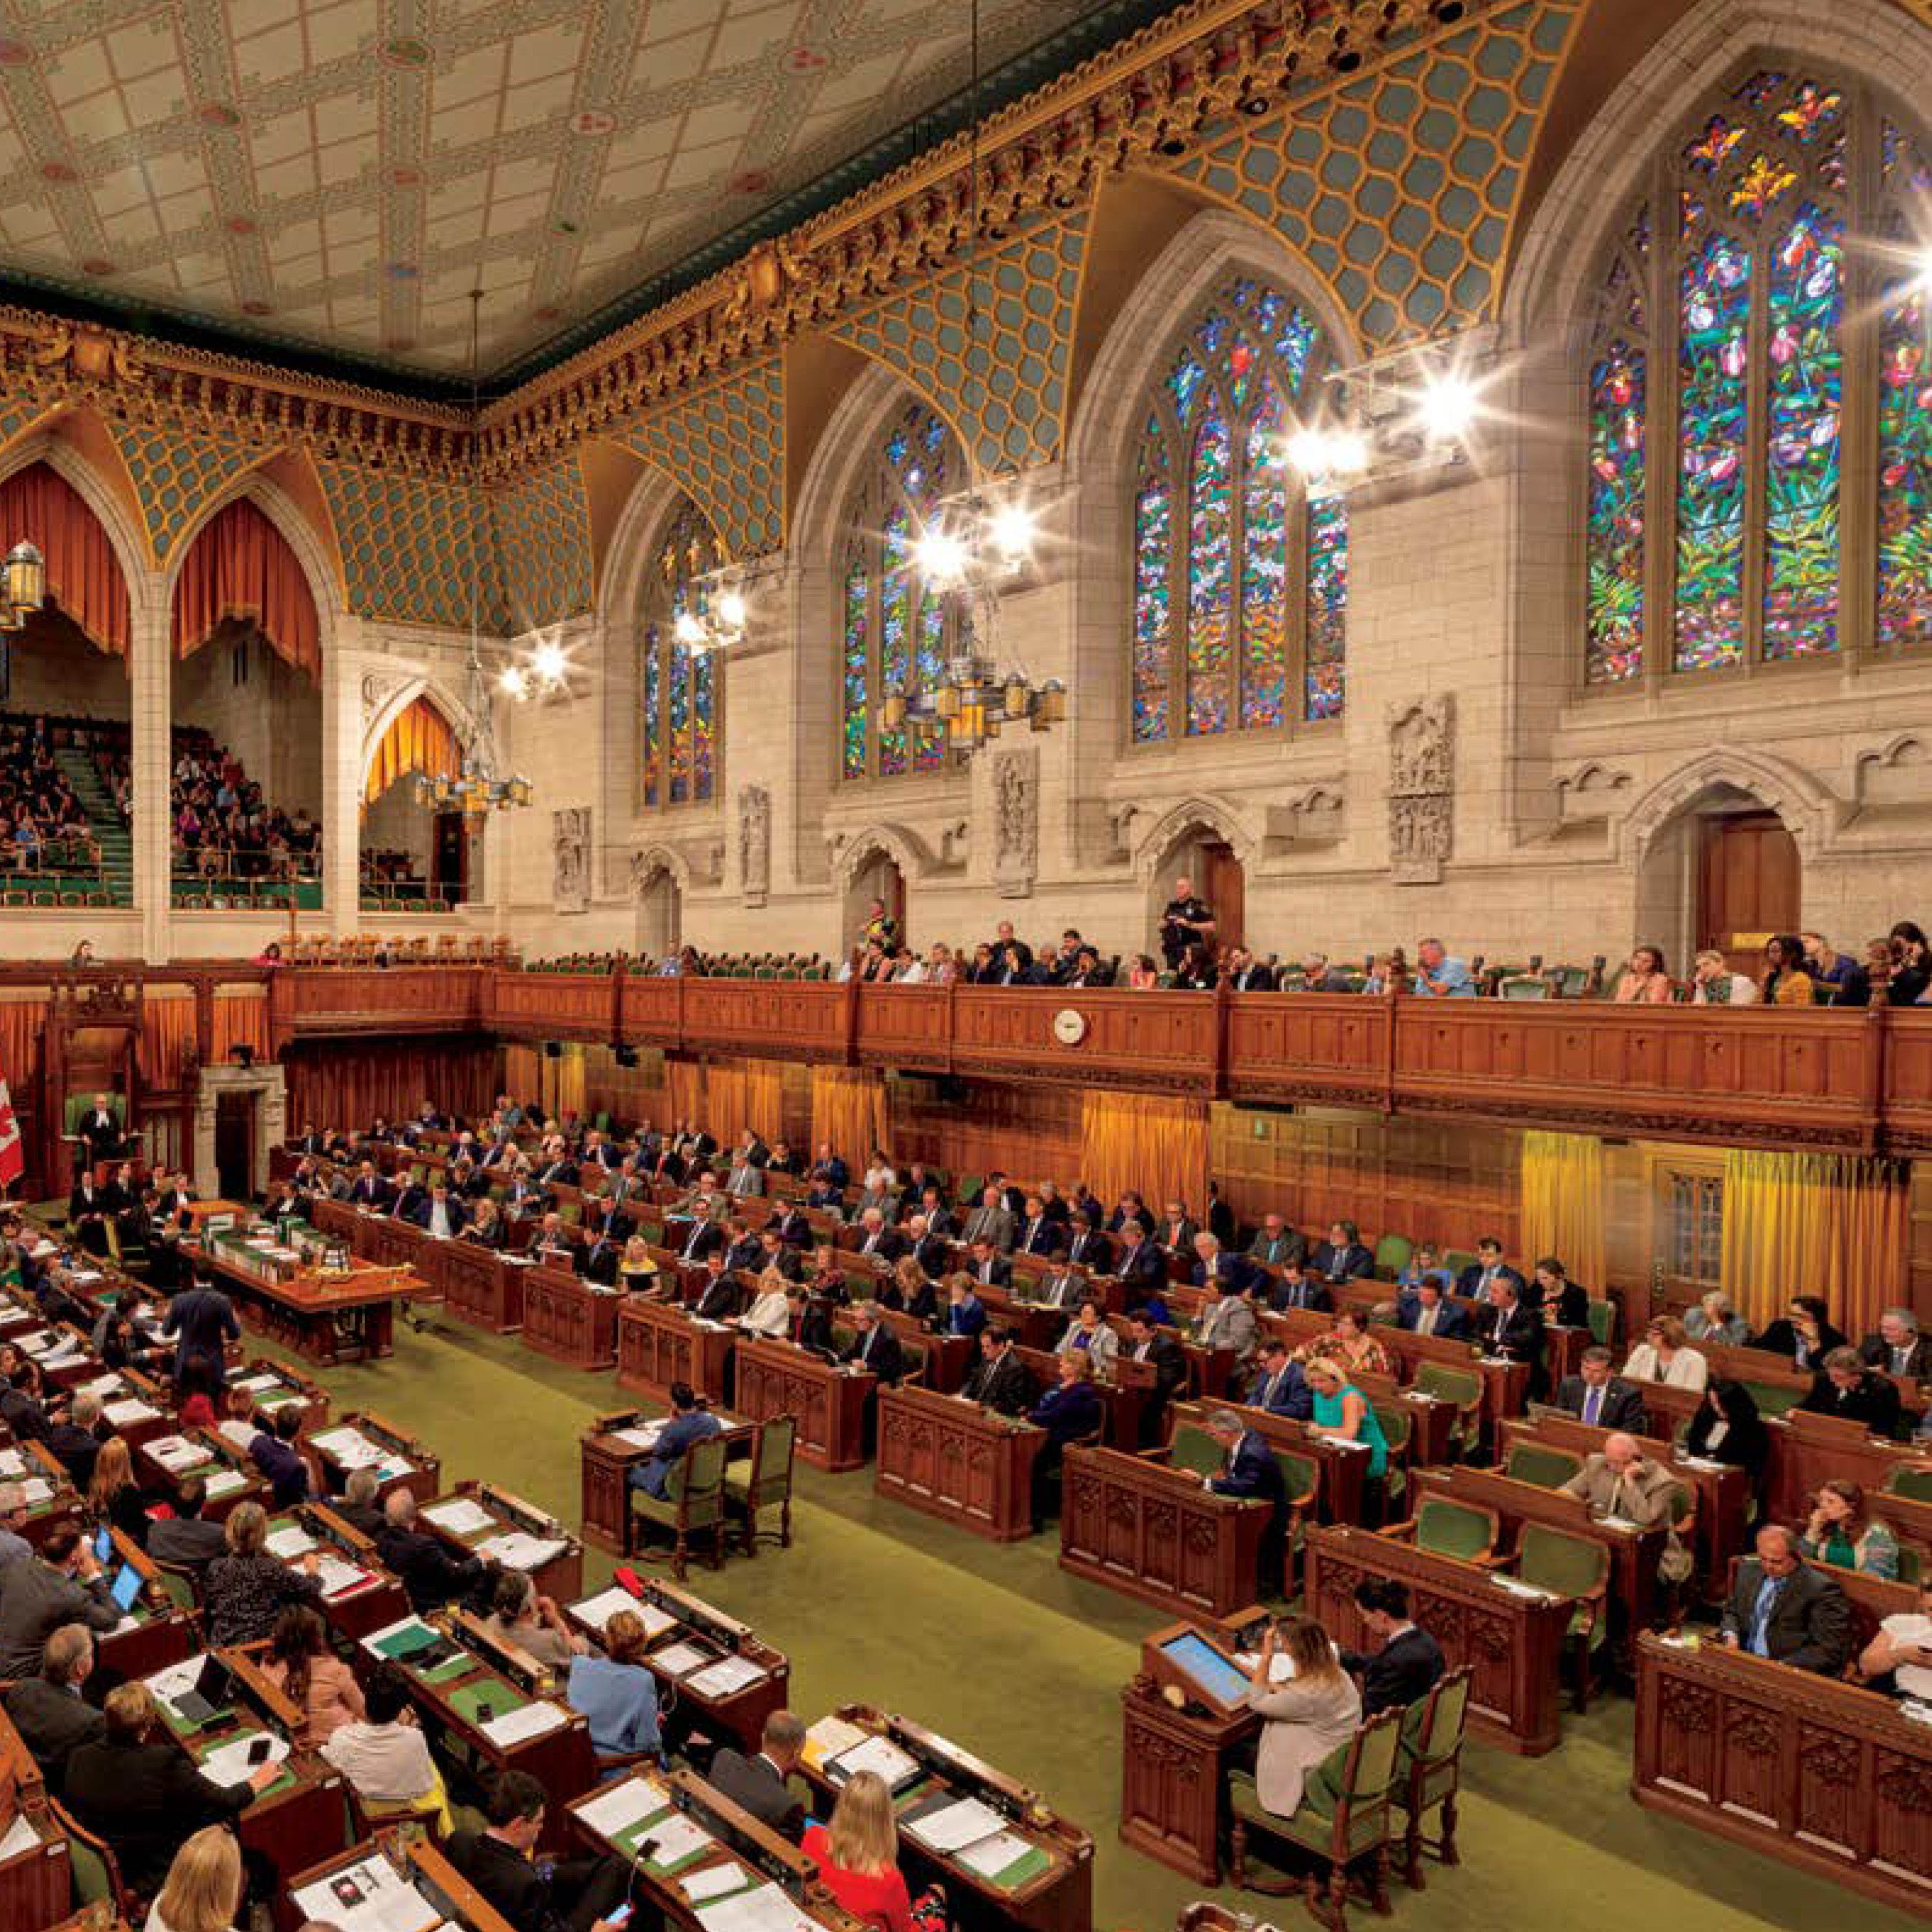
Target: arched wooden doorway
{"x": 876, "y": 877}
{"x": 660, "y": 914}
{"x": 1200, "y": 855}
{"x": 1749, "y": 884}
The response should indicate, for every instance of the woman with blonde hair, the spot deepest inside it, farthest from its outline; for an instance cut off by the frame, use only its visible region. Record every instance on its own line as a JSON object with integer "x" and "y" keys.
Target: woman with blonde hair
{"x": 1307, "y": 1715}
{"x": 203, "y": 1891}
{"x": 1666, "y": 1355}
{"x": 770, "y": 1312}
{"x": 636, "y": 1271}
{"x": 114, "y": 1497}
{"x": 247, "y": 1587}
{"x": 858, "y": 1855}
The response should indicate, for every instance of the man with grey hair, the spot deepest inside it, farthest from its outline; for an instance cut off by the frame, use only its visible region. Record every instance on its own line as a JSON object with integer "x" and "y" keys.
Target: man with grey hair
{"x": 47, "y": 1710}
{"x": 14, "y": 1548}
{"x": 1845, "y": 1387}
{"x": 360, "y": 1507}
{"x": 1898, "y": 1348}
{"x": 1249, "y": 1471}
{"x": 76, "y": 1441}
{"x": 1782, "y": 1608}
{"x": 758, "y": 1784}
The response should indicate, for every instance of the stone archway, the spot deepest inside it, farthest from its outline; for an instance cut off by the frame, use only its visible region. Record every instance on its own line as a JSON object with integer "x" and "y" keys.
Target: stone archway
{"x": 1205, "y": 843}
{"x": 657, "y": 882}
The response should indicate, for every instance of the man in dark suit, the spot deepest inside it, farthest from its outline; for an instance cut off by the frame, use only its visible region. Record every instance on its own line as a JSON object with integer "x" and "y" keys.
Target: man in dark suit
{"x": 429, "y": 1574}
{"x": 440, "y": 1211}
{"x": 876, "y": 1241}
{"x": 1603, "y": 1400}
{"x": 1488, "y": 1266}
{"x": 409, "y": 1202}
{"x": 758, "y": 1784}
{"x": 1278, "y": 1385}
{"x": 1146, "y": 1343}
{"x": 721, "y": 1298}
{"x": 100, "y": 1131}
{"x": 599, "y": 1261}
{"x": 562, "y": 1895}
{"x": 1426, "y": 1309}
{"x": 874, "y": 1346}
{"x": 933, "y": 1252}
{"x": 1506, "y": 1327}
{"x": 47, "y": 1711}
{"x": 1342, "y": 1257}
{"x": 203, "y": 1320}
{"x": 1178, "y": 1229}
{"x": 1137, "y": 1260}
{"x": 1091, "y": 1246}
{"x": 772, "y": 1253}
{"x": 1251, "y": 1470}
{"x": 794, "y": 1229}
{"x": 1779, "y": 1607}
{"x": 187, "y": 1540}
{"x": 1246, "y": 974}
{"x": 1898, "y": 1348}
{"x": 1406, "y": 1662}
{"x": 369, "y": 1190}
{"x": 987, "y": 1266}
{"x": 1845, "y": 1387}
{"x": 1276, "y": 1244}
{"x": 1304, "y": 1287}
{"x": 743, "y": 1249}
{"x": 1039, "y": 1233}
{"x": 999, "y": 1380}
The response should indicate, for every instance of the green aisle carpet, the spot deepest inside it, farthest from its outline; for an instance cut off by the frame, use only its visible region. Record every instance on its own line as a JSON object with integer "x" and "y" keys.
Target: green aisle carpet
{"x": 996, "y": 1648}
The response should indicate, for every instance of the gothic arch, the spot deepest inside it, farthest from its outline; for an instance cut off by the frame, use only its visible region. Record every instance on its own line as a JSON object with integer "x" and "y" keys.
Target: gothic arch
{"x": 110, "y": 500}
{"x": 1563, "y": 247}
{"x": 390, "y": 701}
{"x": 647, "y": 864}
{"x": 318, "y": 566}
{"x": 1808, "y": 810}
{"x": 1154, "y": 849}
{"x": 891, "y": 842}
{"x": 651, "y": 502}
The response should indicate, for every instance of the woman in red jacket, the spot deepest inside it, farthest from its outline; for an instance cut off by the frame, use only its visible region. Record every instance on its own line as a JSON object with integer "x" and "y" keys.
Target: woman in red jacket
{"x": 858, "y": 1855}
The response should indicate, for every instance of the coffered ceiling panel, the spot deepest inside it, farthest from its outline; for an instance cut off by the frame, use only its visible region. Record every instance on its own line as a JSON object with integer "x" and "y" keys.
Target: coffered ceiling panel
{"x": 335, "y": 175}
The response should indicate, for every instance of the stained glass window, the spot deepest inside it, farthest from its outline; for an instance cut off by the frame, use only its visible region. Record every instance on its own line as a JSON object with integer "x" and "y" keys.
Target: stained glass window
{"x": 895, "y": 631}
{"x": 1737, "y": 466}
{"x": 1239, "y": 582}
{"x": 678, "y": 687}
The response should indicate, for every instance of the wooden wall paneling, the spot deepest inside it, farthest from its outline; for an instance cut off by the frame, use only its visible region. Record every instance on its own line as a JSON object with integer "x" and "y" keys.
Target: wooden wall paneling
{"x": 1032, "y": 1132}
{"x": 1918, "y": 1244}
{"x": 347, "y": 1084}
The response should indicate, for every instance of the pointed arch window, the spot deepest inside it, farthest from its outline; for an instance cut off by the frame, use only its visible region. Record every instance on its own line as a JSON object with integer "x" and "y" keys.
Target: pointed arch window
{"x": 1241, "y": 580}
{"x": 678, "y": 687}
{"x": 1741, "y": 475}
{"x": 896, "y": 630}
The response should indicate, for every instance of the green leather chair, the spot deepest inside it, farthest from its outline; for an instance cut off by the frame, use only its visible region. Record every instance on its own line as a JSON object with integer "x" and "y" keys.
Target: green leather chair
{"x": 1392, "y": 1253}
{"x": 1346, "y": 1816}
{"x": 1577, "y": 1567}
{"x": 1904, "y": 1481}
{"x": 1447, "y": 1527}
{"x": 1397, "y": 1418}
{"x": 1548, "y": 1468}
{"x": 1193, "y": 1449}
{"x": 766, "y": 1483}
{"x": 1464, "y": 1387}
{"x": 1603, "y": 1312}
{"x": 1428, "y": 1769}
{"x": 694, "y": 1507}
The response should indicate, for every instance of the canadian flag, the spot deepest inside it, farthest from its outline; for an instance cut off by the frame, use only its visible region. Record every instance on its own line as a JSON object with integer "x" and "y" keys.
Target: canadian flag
{"x": 12, "y": 1156}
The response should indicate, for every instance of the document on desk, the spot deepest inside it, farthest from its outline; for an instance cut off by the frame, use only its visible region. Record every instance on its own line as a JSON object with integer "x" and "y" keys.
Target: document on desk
{"x": 228, "y": 1763}
{"x": 990, "y": 1856}
{"x": 727, "y": 1676}
{"x": 176, "y": 1452}
{"x": 238, "y": 1432}
{"x": 954, "y": 1827}
{"x": 22, "y": 1837}
{"x": 121, "y": 1414}
{"x": 829, "y": 1739}
{"x": 532, "y": 1721}
{"x": 1533, "y": 1592}
{"x": 622, "y": 1806}
{"x": 292, "y": 1540}
{"x": 256, "y": 1384}
{"x": 383, "y": 1901}
{"x": 517, "y": 1549}
{"x": 35, "y": 1491}
{"x": 13, "y": 1464}
{"x": 897, "y": 1768}
{"x": 676, "y": 1660}
{"x": 338, "y": 1578}
{"x": 598, "y": 1611}
{"x": 464, "y": 1517}
{"x": 673, "y": 1839}
{"x": 226, "y": 1482}
{"x": 645, "y": 1437}
{"x": 764, "y": 1909}
{"x": 713, "y": 1881}
{"x": 349, "y": 1447}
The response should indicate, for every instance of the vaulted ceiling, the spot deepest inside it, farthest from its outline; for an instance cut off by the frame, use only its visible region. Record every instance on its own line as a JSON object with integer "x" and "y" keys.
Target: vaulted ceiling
{"x": 336, "y": 175}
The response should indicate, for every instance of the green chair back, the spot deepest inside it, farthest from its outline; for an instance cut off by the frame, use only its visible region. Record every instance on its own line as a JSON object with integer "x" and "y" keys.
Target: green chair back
{"x": 90, "y": 1863}
{"x": 1553, "y": 1559}
{"x": 697, "y": 1485}
{"x": 1904, "y": 1481}
{"x": 771, "y": 1463}
{"x": 1392, "y": 1255}
{"x": 1457, "y": 1259}
{"x": 1432, "y": 1726}
{"x": 1548, "y": 1468}
{"x": 1774, "y": 1400}
{"x": 1298, "y": 1473}
{"x": 1524, "y": 986}
{"x": 1194, "y": 1449}
{"x": 1447, "y": 1383}
{"x": 1450, "y": 1528}
{"x": 1911, "y": 1564}
{"x": 1602, "y": 1313}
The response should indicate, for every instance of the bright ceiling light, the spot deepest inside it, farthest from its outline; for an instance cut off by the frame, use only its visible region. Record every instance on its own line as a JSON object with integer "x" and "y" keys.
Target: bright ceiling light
{"x": 940, "y": 556}
{"x": 1307, "y": 451}
{"x": 731, "y": 610}
{"x": 1347, "y": 453}
{"x": 688, "y": 630}
{"x": 550, "y": 663}
{"x": 1011, "y": 528}
{"x": 1448, "y": 406}
{"x": 510, "y": 682}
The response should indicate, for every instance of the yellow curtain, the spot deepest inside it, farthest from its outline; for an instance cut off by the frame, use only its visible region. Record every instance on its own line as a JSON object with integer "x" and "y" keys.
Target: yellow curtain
{"x": 764, "y": 1099}
{"x": 722, "y": 1114}
{"x": 685, "y": 1093}
{"x": 21, "y": 1023}
{"x": 418, "y": 740}
{"x": 1829, "y": 1224}
{"x": 240, "y": 1019}
{"x": 167, "y": 1036}
{"x": 848, "y": 1108}
{"x": 1563, "y": 1204}
{"x": 1155, "y": 1146}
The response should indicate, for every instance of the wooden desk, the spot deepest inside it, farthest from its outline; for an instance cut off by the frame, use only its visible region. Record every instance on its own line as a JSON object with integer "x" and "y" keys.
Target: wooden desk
{"x": 1811, "y": 1772}
{"x": 351, "y": 1609}
{"x": 330, "y": 1322}
{"x": 659, "y": 1343}
{"x": 560, "y": 1576}
{"x": 605, "y": 1459}
{"x": 1807, "y": 1449}
{"x": 482, "y": 1285}
{"x": 231, "y": 1478}
{"x": 1157, "y": 1534}
{"x": 363, "y": 1439}
{"x": 571, "y": 1320}
{"x": 1514, "y": 1643}
{"x": 1340, "y": 1471}
{"x": 35, "y": 1880}
{"x": 777, "y": 1378}
{"x": 1052, "y": 1891}
{"x": 957, "y": 1461}
{"x": 275, "y": 1385}
{"x": 418, "y": 1862}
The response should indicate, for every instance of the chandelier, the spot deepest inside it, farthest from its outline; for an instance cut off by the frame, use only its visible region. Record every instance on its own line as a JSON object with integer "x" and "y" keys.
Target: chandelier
{"x": 23, "y": 589}
{"x": 974, "y": 543}
{"x": 475, "y": 788}
{"x": 716, "y": 618}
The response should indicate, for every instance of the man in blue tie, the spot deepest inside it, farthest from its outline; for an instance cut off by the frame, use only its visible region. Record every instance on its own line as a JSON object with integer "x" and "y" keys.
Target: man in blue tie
{"x": 1602, "y": 1398}
{"x": 1782, "y": 1608}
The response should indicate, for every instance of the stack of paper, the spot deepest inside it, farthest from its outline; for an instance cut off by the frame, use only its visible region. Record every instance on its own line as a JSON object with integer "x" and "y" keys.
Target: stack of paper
{"x": 897, "y": 1767}
{"x": 673, "y": 1839}
{"x": 991, "y": 1856}
{"x": 764, "y": 1909}
{"x": 176, "y": 1452}
{"x": 35, "y": 1491}
{"x": 954, "y": 1827}
{"x": 369, "y": 1896}
{"x": 13, "y": 1464}
{"x": 124, "y": 1414}
{"x": 291, "y": 1541}
{"x": 256, "y": 1384}
{"x": 226, "y": 1482}
{"x": 828, "y": 1739}
{"x": 622, "y": 1806}
{"x": 350, "y": 1448}
{"x": 531, "y": 1720}
{"x": 676, "y": 1660}
{"x": 644, "y": 1437}
{"x": 713, "y": 1881}
{"x": 729, "y": 1674}
{"x": 337, "y": 1578}
{"x": 22, "y": 1837}
{"x": 463, "y": 1516}
{"x": 239, "y": 1432}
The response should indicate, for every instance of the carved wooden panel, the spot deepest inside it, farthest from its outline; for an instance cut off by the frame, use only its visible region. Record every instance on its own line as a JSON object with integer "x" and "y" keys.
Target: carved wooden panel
{"x": 554, "y": 1006}
{"x": 1131, "y": 1039}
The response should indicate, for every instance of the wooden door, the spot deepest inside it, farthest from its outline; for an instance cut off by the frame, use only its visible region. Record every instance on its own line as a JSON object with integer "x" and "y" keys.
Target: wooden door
{"x": 234, "y": 1145}
{"x": 1223, "y": 885}
{"x": 1748, "y": 886}
{"x": 449, "y": 859}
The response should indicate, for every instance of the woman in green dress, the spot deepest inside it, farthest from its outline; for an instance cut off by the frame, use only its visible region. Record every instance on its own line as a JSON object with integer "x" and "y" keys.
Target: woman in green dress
{"x": 1342, "y": 1409}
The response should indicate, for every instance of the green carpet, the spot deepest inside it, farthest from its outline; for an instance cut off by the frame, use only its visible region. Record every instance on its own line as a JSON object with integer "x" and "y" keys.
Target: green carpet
{"x": 996, "y": 1648}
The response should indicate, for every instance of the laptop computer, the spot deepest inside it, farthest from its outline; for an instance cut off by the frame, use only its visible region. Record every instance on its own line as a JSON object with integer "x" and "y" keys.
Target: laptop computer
{"x": 125, "y": 1588}
{"x": 208, "y": 1694}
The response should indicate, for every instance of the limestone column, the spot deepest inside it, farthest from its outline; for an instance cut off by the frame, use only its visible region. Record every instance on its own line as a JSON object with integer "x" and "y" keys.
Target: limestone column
{"x": 149, "y": 704}
{"x": 341, "y": 789}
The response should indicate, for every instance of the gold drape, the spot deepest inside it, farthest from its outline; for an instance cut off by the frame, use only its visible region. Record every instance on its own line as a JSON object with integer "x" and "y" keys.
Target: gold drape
{"x": 167, "y": 1035}
{"x": 1563, "y": 1204}
{"x": 523, "y": 1073}
{"x": 1829, "y": 1224}
{"x": 564, "y": 1082}
{"x": 848, "y": 1108}
{"x": 684, "y": 1092}
{"x": 1155, "y": 1146}
{"x": 418, "y": 740}
{"x": 21, "y": 1023}
{"x": 242, "y": 1019}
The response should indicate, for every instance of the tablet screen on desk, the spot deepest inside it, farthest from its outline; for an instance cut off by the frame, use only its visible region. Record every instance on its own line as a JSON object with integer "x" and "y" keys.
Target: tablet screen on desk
{"x": 1198, "y": 1659}
{"x": 125, "y": 1588}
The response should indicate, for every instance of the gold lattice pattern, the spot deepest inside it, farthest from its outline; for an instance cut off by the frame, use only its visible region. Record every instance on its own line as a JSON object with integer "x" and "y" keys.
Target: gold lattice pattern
{"x": 409, "y": 547}
{"x": 1009, "y": 411}
{"x": 726, "y": 448}
{"x": 176, "y": 475}
{"x": 1399, "y": 187}
{"x": 542, "y": 534}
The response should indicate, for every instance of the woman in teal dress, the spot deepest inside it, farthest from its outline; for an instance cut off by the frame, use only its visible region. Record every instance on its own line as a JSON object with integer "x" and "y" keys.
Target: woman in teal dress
{"x": 1342, "y": 1409}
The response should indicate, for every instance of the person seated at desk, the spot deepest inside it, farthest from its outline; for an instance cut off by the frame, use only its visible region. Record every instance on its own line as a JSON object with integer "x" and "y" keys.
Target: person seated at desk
{"x": 770, "y": 1314}
{"x": 431, "y": 1577}
{"x": 1040, "y": 1232}
{"x": 758, "y": 1784}
{"x": 360, "y": 1503}
{"x": 1342, "y": 1409}
{"x": 1896, "y": 1347}
{"x": 1713, "y": 1319}
{"x": 273, "y": 1451}
{"x": 1620, "y": 1481}
{"x": 1595, "y": 1395}
{"x": 598, "y": 1261}
{"x": 1249, "y": 1470}
{"x": 1089, "y": 1334}
{"x": 719, "y": 1296}
{"x": 1842, "y": 1531}
{"x": 1845, "y": 1387}
{"x": 114, "y": 1497}
{"x": 87, "y": 1215}
{"x": 1565, "y": 1303}
{"x": 1781, "y": 1608}
{"x": 1728, "y": 1429}
{"x": 567, "y": 1895}
{"x": 485, "y": 1225}
{"x": 1152, "y": 1303}
{"x": 300, "y": 1664}
{"x": 857, "y": 1854}
{"x": 187, "y": 1540}
{"x": 440, "y": 1212}
{"x": 369, "y": 1190}
{"x": 636, "y": 1272}
{"x": 1342, "y": 1257}
{"x": 1302, "y": 1287}
{"x": 1406, "y": 1663}
{"x": 1277, "y": 1245}
{"x": 1148, "y": 1342}
{"x": 247, "y": 1587}
{"x": 1306, "y": 1717}
{"x": 1901, "y": 1650}
{"x": 931, "y": 1253}
{"x": 553, "y": 1245}
{"x": 62, "y": 1583}
{"x": 1069, "y": 1412}
{"x": 1428, "y": 1308}
{"x": 1665, "y": 1355}
{"x": 410, "y": 1202}
{"x": 775, "y": 1251}
{"x": 519, "y": 1615}
{"x": 810, "y": 1322}
{"x": 828, "y": 1272}
{"x": 143, "y": 1794}
{"x": 1350, "y": 1344}
{"x": 204, "y": 1887}
{"x": 689, "y": 1423}
{"x": 1138, "y": 1262}
{"x": 47, "y": 1709}
{"x": 743, "y": 1250}
{"x": 617, "y": 1692}
{"x": 986, "y": 1266}
{"x": 1230, "y": 1324}
{"x": 876, "y": 1241}
{"x": 910, "y": 1290}
{"x": 1215, "y": 1267}
{"x": 384, "y": 1754}
{"x": 874, "y": 1346}
{"x": 1475, "y": 1281}
{"x": 999, "y": 1379}
{"x": 965, "y": 1313}
{"x": 74, "y": 1437}
{"x": 1505, "y": 1329}
{"x": 1803, "y": 1335}
{"x": 1278, "y": 1385}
